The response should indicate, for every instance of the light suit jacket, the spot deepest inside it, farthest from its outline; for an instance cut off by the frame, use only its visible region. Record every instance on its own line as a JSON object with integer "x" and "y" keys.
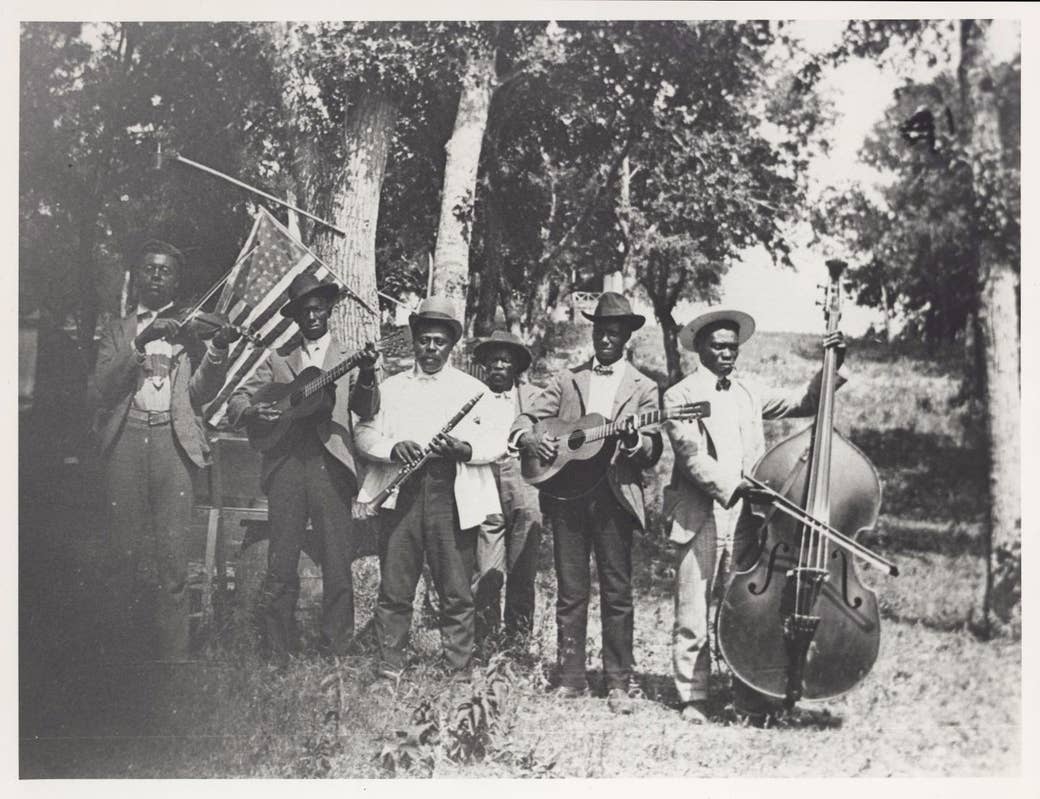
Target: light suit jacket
{"x": 282, "y": 366}
{"x": 114, "y": 384}
{"x": 698, "y": 481}
{"x": 566, "y": 398}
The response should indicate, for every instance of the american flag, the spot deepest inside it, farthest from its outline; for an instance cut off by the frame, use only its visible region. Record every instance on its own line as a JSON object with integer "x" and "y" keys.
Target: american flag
{"x": 254, "y": 293}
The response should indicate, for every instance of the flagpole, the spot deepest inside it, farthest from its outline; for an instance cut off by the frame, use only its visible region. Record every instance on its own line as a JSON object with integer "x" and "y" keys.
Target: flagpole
{"x": 247, "y": 187}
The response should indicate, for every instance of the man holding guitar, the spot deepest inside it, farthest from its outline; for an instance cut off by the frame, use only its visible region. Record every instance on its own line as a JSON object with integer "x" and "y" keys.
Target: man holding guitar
{"x": 603, "y": 518}
{"x": 309, "y": 472}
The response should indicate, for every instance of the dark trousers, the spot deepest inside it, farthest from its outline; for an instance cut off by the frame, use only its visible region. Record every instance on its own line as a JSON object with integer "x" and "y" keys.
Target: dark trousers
{"x": 594, "y": 524}
{"x": 309, "y": 484}
{"x": 148, "y": 483}
{"x": 507, "y": 552}
{"x": 425, "y": 523}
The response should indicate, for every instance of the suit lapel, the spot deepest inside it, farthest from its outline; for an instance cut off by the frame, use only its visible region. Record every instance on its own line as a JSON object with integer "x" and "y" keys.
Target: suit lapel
{"x": 295, "y": 359}
{"x": 582, "y": 377}
{"x": 625, "y": 391}
{"x": 333, "y": 355}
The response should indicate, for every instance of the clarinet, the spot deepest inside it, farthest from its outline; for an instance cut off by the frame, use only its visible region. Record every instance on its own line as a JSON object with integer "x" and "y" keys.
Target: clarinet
{"x": 370, "y": 508}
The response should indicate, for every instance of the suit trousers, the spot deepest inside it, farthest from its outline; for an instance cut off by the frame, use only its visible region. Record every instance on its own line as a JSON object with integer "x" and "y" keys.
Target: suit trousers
{"x": 309, "y": 484}
{"x": 703, "y": 571}
{"x": 425, "y": 523}
{"x": 593, "y": 524}
{"x": 148, "y": 483}
{"x": 507, "y": 552}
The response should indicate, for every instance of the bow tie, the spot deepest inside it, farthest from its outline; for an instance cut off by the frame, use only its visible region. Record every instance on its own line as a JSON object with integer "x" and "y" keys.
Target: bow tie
{"x": 505, "y": 395}
{"x": 722, "y": 384}
{"x": 603, "y": 370}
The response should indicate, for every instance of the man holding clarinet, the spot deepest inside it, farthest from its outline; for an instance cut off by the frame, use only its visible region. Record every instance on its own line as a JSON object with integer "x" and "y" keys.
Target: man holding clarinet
{"x": 435, "y": 512}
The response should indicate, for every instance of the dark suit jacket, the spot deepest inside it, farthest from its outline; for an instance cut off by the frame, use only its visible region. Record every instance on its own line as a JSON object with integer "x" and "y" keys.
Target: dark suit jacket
{"x": 566, "y": 398}
{"x": 282, "y": 366}
{"x": 114, "y": 384}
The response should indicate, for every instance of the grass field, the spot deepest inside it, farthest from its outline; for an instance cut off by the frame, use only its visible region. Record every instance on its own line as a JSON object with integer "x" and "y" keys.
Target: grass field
{"x": 939, "y": 701}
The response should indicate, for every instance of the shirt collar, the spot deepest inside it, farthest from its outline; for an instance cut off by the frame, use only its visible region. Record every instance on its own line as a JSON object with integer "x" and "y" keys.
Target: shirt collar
{"x": 318, "y": 344}
{"x": 708, "y": 379}
{"x": 616, "y": 367}
{"x": 419, "y": 374}
{"x": 142, "y": 310}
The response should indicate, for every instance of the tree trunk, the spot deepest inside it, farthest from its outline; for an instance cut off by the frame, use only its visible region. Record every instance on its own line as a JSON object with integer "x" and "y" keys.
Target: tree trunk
{"x": 451, "y": 256}
{"x": 354, "y": 207}
{"x": 998, "y": 314}
{"x": 670, "y": 333}
{"x": 887, "y": 313}
{"x": 491, "y": 284}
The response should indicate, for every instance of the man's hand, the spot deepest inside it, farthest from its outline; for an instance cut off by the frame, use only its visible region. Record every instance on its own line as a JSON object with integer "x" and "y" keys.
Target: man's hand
{"x": 228, "y": 334}
{"x": 163, "y": 327}
{"x": 450, "y": 448}
{"x": 406, "y": 452}
{"x": 544, "y": 446}
{"x": 749, "y": 492}
{"x": 837, "y": 342}
{"x": 629, "y": 435}
{"x": 262, "y": 411}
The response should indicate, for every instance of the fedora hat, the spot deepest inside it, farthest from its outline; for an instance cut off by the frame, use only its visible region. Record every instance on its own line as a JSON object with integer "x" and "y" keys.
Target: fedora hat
{"x": 744, "y": 322}
{"x": 303, "y": 286}
{"x": 612, "y": 305}
{"x": 505, "y": 340}
{"x": 437, "y": 309}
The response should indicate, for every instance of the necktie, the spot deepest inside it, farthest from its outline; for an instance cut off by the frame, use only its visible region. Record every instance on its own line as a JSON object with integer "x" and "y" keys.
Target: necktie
{"x": 722, "y": 384}
{"x": 603, "y": 370}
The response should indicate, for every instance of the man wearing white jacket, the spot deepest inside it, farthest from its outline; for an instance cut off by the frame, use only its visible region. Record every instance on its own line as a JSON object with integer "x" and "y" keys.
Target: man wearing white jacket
{"x": 705, "y": 498}
{"x": 436, "y": 512}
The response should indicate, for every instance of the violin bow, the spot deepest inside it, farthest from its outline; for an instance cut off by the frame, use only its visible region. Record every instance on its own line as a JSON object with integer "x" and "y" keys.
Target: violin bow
{"x": 786, "y": 506}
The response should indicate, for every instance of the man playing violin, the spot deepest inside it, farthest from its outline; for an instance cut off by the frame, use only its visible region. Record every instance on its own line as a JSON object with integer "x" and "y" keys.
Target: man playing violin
{"x": 602, "y": 521}
{"x": 150, "y": 380}
{"x": 705, "y": 499}
{"x": 310, "y": 474}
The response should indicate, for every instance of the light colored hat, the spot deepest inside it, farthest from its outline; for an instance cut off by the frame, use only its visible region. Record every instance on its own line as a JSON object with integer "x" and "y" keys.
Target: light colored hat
{"x": 744, "y": 322}
{"x": 437, "y": 309}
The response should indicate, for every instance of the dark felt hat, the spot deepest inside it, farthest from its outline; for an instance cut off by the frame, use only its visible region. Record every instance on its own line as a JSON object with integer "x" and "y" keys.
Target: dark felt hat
{"x": 611, "y": 306}
{"x": 505, "y": 340}
{"x": 305, "y": 285}
{"x": 437, "y": 309}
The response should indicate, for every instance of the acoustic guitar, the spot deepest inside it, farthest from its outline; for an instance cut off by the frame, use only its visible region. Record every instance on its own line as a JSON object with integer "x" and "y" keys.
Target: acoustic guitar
{"x": 586, "y": 447}
{"x": 313, "y": 391}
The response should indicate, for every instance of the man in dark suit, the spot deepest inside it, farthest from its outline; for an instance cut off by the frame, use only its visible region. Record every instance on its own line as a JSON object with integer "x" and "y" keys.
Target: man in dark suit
{"x": 150, "y": 381}
{"x": 310, "y": 474}
{"x": 603, "y": 520}
{"x": 507, "y": 544}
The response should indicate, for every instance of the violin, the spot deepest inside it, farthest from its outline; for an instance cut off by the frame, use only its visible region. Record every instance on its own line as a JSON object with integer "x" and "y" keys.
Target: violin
{"x": 798, "y": 622}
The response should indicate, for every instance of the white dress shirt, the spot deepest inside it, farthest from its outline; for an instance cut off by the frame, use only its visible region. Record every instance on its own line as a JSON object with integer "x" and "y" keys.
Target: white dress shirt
{"x": 414, "y": 406}
{"x": 603, "y": 388}
{"x": 312, "y": 353}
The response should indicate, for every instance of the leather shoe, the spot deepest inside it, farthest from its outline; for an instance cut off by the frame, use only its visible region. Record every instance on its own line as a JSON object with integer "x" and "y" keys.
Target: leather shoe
{"x": 621, "y": 702}
{"x": 569, "y": 692}
{"x": 693, "y": 713}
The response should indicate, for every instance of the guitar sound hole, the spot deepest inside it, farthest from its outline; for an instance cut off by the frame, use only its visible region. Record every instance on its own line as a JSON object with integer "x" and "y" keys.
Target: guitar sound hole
{"x": 576, "y": 439}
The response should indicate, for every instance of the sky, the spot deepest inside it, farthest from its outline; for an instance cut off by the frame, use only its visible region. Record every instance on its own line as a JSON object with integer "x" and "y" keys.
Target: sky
{"x": 784, "y": 299}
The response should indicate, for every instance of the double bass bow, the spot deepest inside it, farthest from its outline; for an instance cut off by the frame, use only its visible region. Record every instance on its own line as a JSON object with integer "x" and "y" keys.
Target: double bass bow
{"x": 797, "y": 623}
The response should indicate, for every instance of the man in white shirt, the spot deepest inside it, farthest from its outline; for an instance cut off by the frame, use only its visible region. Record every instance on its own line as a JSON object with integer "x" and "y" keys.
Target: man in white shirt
{"x": 150, "y": 381}
{"x": 604, "y": 519}
{"x": 705, "y": 498}
{"x": 311, "y": 474}
{"x": 435, "y": 513}
{"x": 507, "y": 545}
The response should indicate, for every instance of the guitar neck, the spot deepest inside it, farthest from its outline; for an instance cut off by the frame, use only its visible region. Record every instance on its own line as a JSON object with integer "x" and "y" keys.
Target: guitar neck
{"x": 612, "y": 428}
{"x": 332, "y": 375}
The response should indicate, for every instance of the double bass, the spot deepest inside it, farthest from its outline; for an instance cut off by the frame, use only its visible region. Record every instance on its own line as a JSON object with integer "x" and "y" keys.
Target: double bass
{"x": 798, "y": 623}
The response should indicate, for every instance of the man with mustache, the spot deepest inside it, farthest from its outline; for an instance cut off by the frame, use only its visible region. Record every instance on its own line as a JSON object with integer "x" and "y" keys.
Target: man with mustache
{"x": 436, "y": 512}
{"x": 603, "y": 521}
{"x": 705, "y": 499}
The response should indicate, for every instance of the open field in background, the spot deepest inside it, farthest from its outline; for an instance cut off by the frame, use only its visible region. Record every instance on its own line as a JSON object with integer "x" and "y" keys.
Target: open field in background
{"x": 939, "y": 702}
